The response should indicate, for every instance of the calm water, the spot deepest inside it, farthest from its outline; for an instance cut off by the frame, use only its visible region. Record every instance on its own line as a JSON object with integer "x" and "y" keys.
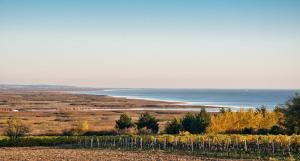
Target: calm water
{"x": 218, "y": 97}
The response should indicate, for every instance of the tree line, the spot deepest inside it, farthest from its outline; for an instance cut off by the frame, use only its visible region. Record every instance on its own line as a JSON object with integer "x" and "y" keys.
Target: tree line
{"x": 284, "y": 119}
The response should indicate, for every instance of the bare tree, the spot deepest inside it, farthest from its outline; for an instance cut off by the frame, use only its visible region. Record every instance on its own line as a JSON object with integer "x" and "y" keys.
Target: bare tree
{"x": 15, "y": 128}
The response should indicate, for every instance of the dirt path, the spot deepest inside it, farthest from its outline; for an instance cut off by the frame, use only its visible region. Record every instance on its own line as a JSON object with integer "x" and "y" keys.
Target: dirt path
{"x": 56, "y": 154}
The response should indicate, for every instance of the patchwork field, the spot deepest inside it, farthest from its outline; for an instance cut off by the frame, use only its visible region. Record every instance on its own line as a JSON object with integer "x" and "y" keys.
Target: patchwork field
{"x": 50, "y": 113}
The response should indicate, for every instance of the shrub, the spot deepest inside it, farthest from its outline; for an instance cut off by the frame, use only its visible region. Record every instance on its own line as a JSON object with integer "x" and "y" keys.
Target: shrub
{"x": 174, "y": 127}
{"x": 101, "y": 133}
{"x": 79, "y": 129}
{"x": 248, "y": 130}
{"x": 15, "y": 128}
{"x": 144, "y": 131}
{"x": 262, "y": 131}
{"x": 276, "y": 130}
{"x": 148, "y": 121}
{"x": 184, "y": 133}
{"x": 124, "y": 122}
{"x": 128, "y": 131}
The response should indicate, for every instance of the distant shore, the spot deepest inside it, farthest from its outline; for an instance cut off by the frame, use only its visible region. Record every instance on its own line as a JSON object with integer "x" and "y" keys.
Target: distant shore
{"x": 165, "y": 103}
{"x": 221, "y": 98}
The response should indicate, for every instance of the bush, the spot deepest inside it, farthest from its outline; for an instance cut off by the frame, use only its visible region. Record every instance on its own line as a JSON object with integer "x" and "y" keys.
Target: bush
{"x": 248, "y": 130}
{"x": 15, "y": 128}
{"x": 79, "y": 129}
{"x": 149, "y": 122}
{"x": 144, "y": 131}
{"x": 37, "y": 141}
{"x": 184, "y": 133}
{"x": 124, "y": 122}
{"x": 174, "y": 127}
{"x": 83, "y": 126}
{"x": 127, "y": 131}
{"x": 262, "y": 131}
{"x": 101, "y": 133}
{"x": 276, "y": 130}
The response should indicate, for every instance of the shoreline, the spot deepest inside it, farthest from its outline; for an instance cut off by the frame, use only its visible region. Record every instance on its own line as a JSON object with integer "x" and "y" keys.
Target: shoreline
{"x": 166, "y": 106}
{"x": 222, "y": 98}
{"x": 97, "y": 103}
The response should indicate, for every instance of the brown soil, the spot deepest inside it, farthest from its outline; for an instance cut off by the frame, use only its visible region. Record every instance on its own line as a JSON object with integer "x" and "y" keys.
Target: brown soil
{"x": 56, "y": 154}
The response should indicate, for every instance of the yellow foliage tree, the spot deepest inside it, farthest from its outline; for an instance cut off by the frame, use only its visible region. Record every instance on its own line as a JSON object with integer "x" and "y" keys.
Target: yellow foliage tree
{"x": 78, "y": 129}
{"x": 83, "y": 126}
{"x": 237, "y": 121}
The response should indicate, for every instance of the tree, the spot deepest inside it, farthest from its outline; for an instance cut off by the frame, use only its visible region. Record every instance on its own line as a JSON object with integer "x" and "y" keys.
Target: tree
{"x": 246, "y": 122}
{"x": 196, "y": 124}
{"x": 148, "y": 121}
{"x": 124, "y": 122}
{"x": 292, "y": 114}
{"x": 174, "y": 127}
{"x": 188, "y": 122}
{"x": 222, "y": 110}
{"x": 15, "y": 128}
{"x": 202, "y": 121}
{"x": 262, "y": 110}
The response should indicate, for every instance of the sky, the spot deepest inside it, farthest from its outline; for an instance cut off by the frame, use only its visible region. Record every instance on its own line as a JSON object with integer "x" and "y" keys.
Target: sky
{"x": 151, "y": 43}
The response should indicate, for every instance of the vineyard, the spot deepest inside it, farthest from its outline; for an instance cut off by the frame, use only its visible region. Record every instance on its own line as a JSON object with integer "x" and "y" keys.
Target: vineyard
{"x": 236, "y": 146}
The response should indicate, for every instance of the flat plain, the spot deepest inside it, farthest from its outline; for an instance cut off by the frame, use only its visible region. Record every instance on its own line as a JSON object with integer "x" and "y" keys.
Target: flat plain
{"x": 52, "y": 112}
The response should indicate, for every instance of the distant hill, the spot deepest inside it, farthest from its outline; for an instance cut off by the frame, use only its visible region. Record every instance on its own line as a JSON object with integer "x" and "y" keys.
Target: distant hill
{"x": 43, "y": 87}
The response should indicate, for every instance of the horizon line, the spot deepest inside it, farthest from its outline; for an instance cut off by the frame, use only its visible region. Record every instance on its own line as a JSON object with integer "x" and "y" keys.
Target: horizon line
{"x": 203, "y": 88}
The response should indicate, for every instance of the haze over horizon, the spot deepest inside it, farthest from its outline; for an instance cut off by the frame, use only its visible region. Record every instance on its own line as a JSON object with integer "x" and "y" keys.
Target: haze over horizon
{"x": 151, "y": 44}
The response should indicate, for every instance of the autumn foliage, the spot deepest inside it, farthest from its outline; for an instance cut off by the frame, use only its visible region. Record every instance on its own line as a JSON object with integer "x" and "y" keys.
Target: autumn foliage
{"x": 244, "y": 121}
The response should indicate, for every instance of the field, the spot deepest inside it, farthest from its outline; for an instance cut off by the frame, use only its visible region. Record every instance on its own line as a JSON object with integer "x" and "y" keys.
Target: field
{"x": 54, "y": 154}
{"x": 50, "y": 113}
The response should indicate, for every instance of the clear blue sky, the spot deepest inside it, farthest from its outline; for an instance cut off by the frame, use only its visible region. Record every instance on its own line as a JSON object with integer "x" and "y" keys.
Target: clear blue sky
{"x": 151, "y": 43}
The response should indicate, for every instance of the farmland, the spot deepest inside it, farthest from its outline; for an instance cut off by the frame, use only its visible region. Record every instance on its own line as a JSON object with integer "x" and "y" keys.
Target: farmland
{"x": 52, "y": 112}
{"x": 220, "y": 146}
{"x": 56, "y": 153}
